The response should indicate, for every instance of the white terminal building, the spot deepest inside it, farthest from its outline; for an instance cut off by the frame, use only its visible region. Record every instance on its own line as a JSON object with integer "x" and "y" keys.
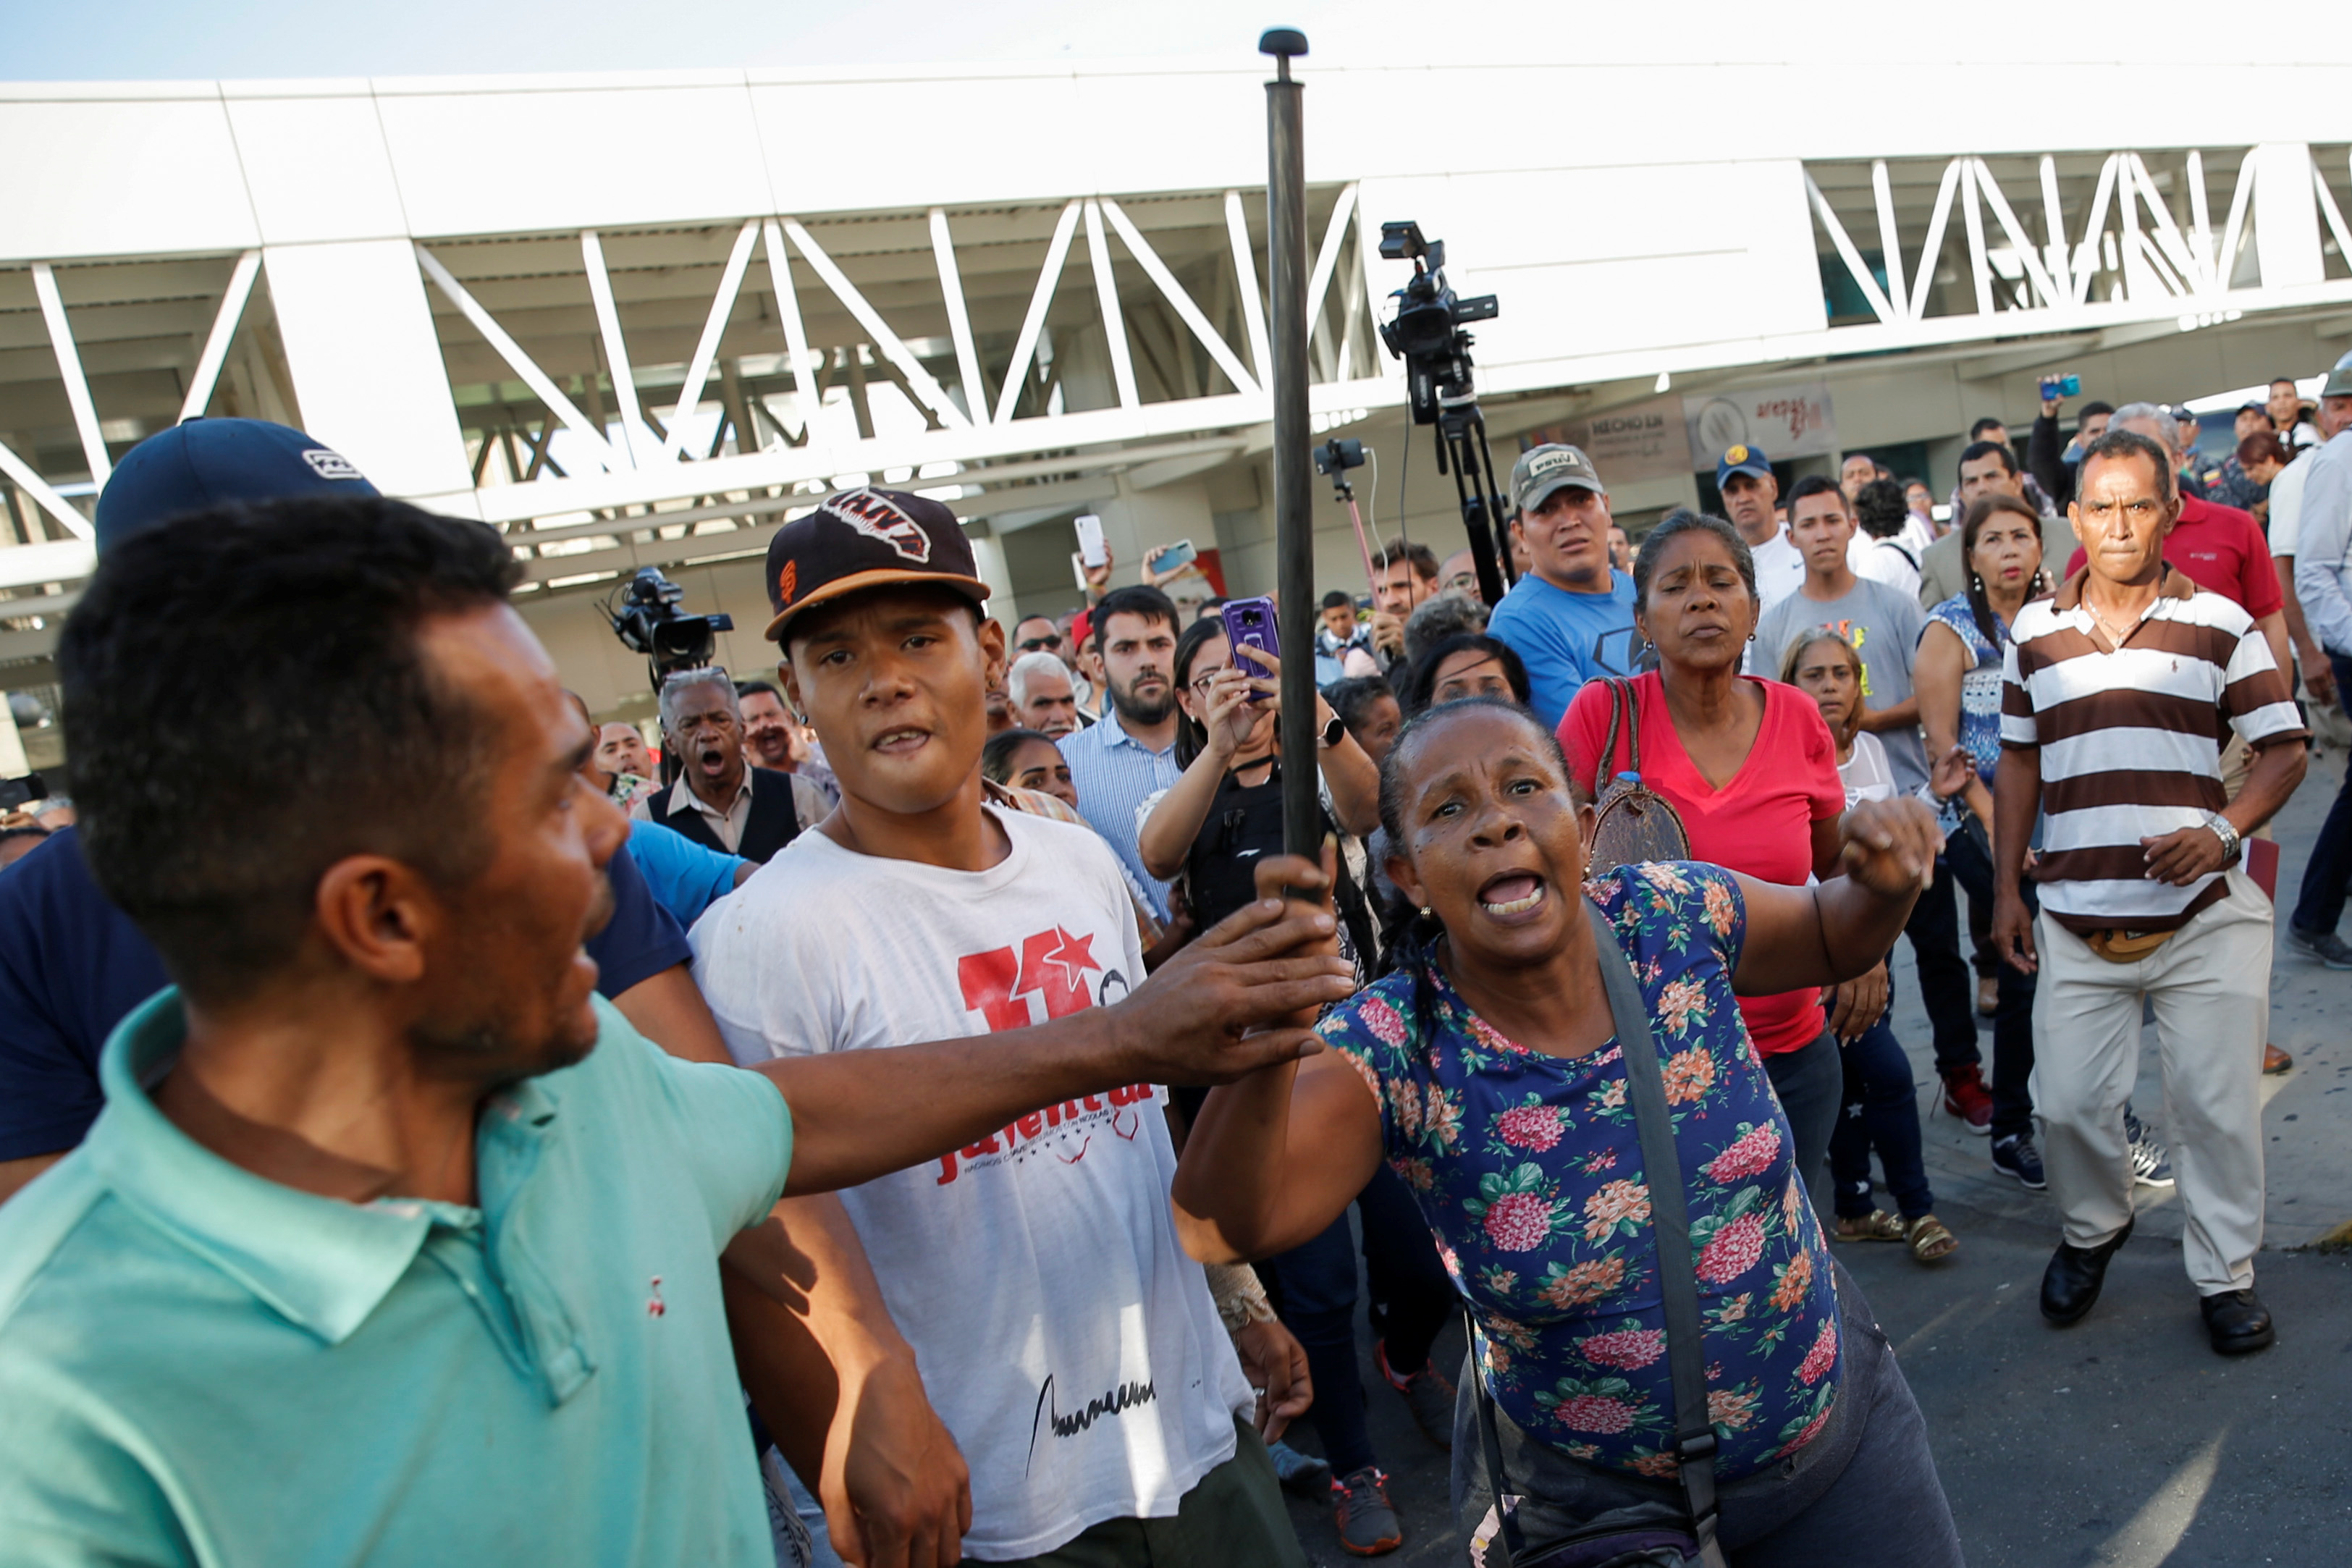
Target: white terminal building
{"x": 643, "y": 320}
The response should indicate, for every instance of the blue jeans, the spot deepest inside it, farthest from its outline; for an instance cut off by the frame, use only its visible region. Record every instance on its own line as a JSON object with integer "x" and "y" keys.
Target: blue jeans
{"x": 1313, "y": 1287}
{"x": 2013, "y": 1018}
{"x": 1413, "y": 1297}
{"x": 1881, "y": 1110}
{"x": 1809, "y": 1083}
{"x": 1933, "y": 929}
{"x": 2330, "y": 871}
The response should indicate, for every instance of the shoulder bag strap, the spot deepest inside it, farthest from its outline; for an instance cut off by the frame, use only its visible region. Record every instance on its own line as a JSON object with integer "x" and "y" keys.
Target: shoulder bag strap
{"x": 1632, "y": 724}
{"x": 1678, "y": 1282}
{"x": 1602, "y": 771}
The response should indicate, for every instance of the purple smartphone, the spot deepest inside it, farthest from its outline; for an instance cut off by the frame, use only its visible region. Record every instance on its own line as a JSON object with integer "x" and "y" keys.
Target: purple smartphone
{"x": 1249, "y": 623}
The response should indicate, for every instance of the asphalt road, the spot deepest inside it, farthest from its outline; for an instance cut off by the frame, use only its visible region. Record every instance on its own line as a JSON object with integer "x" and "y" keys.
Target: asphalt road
{"x": 2123, "y": 1442}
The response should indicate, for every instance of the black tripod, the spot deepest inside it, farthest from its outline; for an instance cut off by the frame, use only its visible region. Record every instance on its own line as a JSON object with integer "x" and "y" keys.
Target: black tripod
{"x": 1462, "y": 451}
{"x": 1427, "y": 334}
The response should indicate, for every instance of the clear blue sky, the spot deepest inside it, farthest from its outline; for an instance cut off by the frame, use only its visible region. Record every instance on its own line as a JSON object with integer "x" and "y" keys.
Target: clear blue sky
{"x": 152, "y": 39}
{"x": 96, "y": 40}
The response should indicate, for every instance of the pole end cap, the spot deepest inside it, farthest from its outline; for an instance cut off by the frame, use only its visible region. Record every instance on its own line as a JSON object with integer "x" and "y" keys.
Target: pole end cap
{"x": 1284, "y": 43}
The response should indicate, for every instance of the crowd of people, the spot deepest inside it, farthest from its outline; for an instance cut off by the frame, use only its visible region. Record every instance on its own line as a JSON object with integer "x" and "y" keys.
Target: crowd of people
{"x": 456, "y": 1097}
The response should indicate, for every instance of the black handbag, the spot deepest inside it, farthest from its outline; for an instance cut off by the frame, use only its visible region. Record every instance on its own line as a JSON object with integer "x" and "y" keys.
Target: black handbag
{"x": 1646, "y": 1535}
{"x": 1636, "y": 823}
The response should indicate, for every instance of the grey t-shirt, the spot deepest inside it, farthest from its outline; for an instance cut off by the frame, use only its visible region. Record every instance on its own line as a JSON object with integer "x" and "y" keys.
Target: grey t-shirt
{"x": 1883, "y": 623}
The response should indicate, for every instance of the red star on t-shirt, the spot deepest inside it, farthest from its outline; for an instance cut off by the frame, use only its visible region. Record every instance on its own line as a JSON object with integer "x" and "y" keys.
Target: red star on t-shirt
{"x": 1074, "y": 954}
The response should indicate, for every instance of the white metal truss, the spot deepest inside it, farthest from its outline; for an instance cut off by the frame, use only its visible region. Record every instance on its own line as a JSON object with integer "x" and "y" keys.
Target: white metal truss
{"x": 966, "y": 437}
{"x": 2160, "y": 256}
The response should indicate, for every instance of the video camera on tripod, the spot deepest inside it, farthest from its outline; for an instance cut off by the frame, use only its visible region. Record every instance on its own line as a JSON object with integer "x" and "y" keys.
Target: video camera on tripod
{"x": 1427, "y": 332}
{"x": 647, "y": 621}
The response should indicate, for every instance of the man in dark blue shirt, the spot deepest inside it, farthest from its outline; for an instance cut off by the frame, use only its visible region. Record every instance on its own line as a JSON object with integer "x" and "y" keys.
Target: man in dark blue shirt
{"x": 72, "y": 965}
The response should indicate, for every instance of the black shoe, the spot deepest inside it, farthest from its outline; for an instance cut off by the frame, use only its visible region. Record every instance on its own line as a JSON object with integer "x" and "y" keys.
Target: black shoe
{"x": 2070, "y": 1285}
{"x": 2237, "y": 1321}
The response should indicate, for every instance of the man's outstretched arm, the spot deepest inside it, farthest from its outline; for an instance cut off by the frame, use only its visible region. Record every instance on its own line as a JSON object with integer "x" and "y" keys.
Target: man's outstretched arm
{"x": 1217, "y": 1010}
{"x": 840, "y": 1391}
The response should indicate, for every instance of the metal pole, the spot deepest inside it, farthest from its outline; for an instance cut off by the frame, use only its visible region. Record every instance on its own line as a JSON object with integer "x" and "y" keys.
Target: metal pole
{"x": 1294, "y": 506}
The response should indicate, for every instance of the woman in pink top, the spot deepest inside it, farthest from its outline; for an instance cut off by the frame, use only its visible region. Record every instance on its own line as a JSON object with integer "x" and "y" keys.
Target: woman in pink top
{"x": 1751, "y": 766}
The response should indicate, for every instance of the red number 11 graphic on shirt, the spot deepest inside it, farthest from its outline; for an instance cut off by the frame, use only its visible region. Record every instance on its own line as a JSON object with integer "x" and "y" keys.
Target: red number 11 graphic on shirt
{"x": 1052, "y": 965}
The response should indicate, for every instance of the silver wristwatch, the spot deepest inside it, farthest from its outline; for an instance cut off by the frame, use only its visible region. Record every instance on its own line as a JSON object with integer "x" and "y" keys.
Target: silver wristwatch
{"x": 2226, "y": 833}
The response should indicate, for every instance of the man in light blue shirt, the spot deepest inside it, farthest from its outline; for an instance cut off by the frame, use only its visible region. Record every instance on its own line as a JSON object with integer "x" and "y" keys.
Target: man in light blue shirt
{"x": 393, "y": 1244}
{"x": 2321, "y": 543}
{"x": 1570, "y": 618}
{"x": 1131, "y": 755}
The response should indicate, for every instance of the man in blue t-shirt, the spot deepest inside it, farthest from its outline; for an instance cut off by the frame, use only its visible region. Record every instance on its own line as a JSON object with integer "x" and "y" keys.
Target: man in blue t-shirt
{"x": 72, "y": 965}
{"x": 1570, "y": 618}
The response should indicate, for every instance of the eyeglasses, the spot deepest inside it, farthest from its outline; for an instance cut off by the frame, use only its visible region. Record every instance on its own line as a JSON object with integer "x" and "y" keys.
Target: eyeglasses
{"x": 1050, "y": 644}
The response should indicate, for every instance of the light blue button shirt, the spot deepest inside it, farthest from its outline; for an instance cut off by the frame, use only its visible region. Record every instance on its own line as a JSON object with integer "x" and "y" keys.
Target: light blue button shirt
{"x": 1115, "y": 772}
{"x": 200, "y": 1367}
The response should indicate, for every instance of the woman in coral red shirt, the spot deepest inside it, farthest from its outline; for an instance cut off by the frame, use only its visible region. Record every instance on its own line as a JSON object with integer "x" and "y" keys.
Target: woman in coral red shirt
{"x": 1751, "y": 766}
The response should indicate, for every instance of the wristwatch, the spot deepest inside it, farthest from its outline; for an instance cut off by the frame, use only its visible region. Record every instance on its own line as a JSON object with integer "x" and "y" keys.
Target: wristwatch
{"x": 2227, "y": 833}
{"x": 1333, "y": 733}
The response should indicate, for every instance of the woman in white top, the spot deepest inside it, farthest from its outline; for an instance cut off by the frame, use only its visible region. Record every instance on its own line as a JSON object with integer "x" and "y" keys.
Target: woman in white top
{"x": 1882, "y": 1107}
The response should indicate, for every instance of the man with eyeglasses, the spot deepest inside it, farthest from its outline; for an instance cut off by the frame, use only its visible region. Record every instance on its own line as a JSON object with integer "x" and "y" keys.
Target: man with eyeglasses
{"x": 1042, "y": 634}
{"x": 2116, "y": 694}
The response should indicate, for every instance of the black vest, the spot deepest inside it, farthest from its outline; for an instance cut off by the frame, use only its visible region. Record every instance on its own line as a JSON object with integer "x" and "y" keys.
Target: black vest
{"x": 773, "y": 823}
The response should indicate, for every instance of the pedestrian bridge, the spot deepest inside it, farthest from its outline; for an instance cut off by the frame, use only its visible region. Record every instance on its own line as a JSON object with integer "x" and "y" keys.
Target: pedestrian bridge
{"x": 643, "y": 320}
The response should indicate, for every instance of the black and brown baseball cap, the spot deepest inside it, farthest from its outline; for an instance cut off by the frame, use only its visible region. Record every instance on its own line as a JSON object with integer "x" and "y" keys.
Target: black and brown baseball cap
{"x": 866, "y": 538}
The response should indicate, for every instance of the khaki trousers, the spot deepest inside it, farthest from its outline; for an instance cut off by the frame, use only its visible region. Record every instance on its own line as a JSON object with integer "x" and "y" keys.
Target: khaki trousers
{"x": 2209, "y": 986}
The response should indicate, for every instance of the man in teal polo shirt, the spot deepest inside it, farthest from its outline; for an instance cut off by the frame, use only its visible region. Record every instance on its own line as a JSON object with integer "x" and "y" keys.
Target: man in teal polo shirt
{"x": 393, "y": 1244}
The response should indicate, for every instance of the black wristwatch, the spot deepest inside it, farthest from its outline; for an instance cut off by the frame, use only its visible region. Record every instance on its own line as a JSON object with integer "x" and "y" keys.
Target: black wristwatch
{"x": 1333, "y": 733}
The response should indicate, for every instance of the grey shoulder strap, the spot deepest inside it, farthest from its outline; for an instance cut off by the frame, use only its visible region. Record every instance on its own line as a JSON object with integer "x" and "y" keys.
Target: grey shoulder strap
{"x": 1678, "y": 1280}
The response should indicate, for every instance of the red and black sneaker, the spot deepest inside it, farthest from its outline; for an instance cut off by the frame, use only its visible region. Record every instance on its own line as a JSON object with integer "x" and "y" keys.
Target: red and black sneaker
{"x": 1966, "y": 1097}
{"x": 1427, "y": 1394}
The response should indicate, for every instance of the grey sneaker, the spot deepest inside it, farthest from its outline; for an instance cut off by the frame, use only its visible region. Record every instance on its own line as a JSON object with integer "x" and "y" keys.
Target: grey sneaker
{"x": 2151, "y": 1167}
{"x": 1359, "y": 1506}
{"x": 1306, "y": 1474}
{"x": 2324, "y": 945}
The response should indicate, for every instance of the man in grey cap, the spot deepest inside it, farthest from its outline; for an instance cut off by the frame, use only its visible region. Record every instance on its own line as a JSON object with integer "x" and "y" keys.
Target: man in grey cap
{"x": 1570, "y": 618}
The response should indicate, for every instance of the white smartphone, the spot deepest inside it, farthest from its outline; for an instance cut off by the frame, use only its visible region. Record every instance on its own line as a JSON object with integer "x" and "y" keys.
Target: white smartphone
{"x": 1090, "y": 540}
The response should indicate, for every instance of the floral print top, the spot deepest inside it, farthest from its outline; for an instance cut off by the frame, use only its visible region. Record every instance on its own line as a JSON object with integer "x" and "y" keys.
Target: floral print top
{"x": 1980, "y": 686}
{"x": 1530, "y": 1170}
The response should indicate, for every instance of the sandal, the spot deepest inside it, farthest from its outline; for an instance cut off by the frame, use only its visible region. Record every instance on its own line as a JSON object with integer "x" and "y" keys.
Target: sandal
{"x": 1930, "y": 1241}
{"x": 1875, "y": 1226}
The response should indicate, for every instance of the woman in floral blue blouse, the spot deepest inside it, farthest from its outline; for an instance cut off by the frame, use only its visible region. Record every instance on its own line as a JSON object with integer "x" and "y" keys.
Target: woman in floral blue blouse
{"x": 1486, "y": 1072}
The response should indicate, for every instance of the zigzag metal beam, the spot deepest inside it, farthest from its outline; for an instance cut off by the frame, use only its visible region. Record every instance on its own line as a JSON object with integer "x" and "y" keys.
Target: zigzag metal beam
{"x": 1024, "y": 347}
{"x": 927, "y": 391}
{"x": 1157, "y": 270}
{"x": 705, "y": 350}
{"x": 207, "y": 375}
{"x": 522, "y": 365}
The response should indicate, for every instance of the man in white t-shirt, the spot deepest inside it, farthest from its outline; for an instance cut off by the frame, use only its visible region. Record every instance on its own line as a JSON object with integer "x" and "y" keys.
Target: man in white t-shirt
{"x": 1070, "y": 1346}
{"x": 1744, "y": 476}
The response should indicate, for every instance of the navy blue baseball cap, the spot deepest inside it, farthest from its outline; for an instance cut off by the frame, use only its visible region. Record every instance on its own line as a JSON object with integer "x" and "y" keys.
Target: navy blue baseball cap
{"x": 208, "y": 462}
{"x": 1748, "y": 460}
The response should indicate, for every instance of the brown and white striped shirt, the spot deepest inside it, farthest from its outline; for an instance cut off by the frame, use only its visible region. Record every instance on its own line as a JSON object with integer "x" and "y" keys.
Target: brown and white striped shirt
{"x": 2130, "y": 741}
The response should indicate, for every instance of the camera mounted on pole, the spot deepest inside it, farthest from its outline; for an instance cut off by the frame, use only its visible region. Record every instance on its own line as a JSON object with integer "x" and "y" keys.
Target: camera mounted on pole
{"x": 1429, "y": 334}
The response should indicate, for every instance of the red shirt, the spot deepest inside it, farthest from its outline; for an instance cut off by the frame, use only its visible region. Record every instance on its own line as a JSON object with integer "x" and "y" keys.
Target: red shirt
{"x": 2222, "y": 550}
{"x": 1759, "y": 823}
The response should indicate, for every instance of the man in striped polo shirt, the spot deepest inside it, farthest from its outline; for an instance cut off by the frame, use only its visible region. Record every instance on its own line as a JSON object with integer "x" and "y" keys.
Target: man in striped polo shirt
{"x": 2117, "y": 695}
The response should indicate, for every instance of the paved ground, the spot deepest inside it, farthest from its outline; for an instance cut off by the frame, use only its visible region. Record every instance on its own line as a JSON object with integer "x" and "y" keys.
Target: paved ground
{"x": 2123, "y": 1442}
